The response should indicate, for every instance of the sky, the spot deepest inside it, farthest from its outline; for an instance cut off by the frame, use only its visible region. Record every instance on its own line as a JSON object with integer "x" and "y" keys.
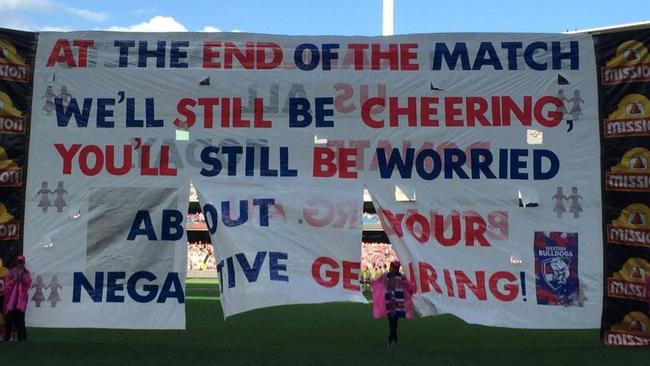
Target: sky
{"x": 331, "y": 17}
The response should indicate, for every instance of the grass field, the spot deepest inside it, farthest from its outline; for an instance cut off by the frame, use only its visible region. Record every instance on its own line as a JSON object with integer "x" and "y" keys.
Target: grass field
{"x": 327, "y": 334}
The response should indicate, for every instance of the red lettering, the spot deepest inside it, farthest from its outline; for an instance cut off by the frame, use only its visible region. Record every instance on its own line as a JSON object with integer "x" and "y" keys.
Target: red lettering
{"x": 258, "y": 115}
{"x": 476, "y": 109}
{"x": 246, "y": 59}
{"x": 475, "y": 227}
{"x": 509, "y": 106}
{"x": 332, "y": 277}
{"x": 61, "y": 52}
{"x": 83, "y": 45}
{"x": 67, "y": 155}
{"x": 98, "y": 160}
{"x": 477, "y": 289}
{"x": 377, "y": 56}
{"x": 424, "y": 233}
{"x": 554, "y": 114}
{"x": 410, "y": 111}
{"x": 126, "y": 160}
{"x": 428, "y": 277}
{"x": 276, "y": 51}
{"x": 391, "y": 222}
{"x": 347, "y": 162}
{"x": 311, "y": 214}
{"x": 428, "y": 108}
{"x": 366, "y": 113}
{"x": 358, "y": 54}
{"x": 324, "y": 165}
{"x": 208, "y": 115}
{"x": 351, "y": 273}
{"x": 451, "y": 112}
{"x": 510, "y": 289}
{"x": 183, "y": 108}
{"x": 439, "y": 229}
{"x": 145, "y": 158}
{"x": 165, "y": 169}
{"x": 408, "y": 53}
{"x": 209, "y": 54}
{"x": 339, "y": 100}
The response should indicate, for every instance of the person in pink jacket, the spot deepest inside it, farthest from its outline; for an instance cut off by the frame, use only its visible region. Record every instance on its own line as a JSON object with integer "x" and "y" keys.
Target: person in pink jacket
{"x": 647, "y": 289}
{"x": 392, "y": 297}
{"x": 17, "y": 284}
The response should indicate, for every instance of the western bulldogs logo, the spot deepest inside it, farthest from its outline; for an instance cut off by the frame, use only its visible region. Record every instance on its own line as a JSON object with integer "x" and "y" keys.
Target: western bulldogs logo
{"x": 556, "y": 272}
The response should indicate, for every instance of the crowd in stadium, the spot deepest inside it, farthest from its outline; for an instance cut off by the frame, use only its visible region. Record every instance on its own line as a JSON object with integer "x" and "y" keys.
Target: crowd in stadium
{"x": 200, "y": 257}
{"x": 375, "y": 258}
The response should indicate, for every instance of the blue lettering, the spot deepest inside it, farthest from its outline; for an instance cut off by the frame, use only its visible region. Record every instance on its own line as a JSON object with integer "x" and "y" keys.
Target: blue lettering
{"x": 441, "y": 50}
{"x": 172, "y": 288}
{"x": 172, "y": 220}
{"x": 420, "y": 165}
{"x": 103, "y": 113}
{"x": 264, "y": 209}
{"x": 150, "y": 290}
{"x": 112, "y": 286}
{"x": 124, "y": 51}
{"x": 328, "y": 55}
{"x": 144, "y": 53}
{"x": 554, "y": 164}
{"x": 512, "y": 48}
{"x": 516, "y": 164}
{"x": 63, "y": 114}
{"x": 404, "y": 166}
{"x": 227, "y": 219}
{"x": 481, "y": 161}
{"x": 80, "y": 280}
{"x": 573, "y": 55}
{"x": 275, "y": 266}
{"x": 487, "y": 49}
{"x": 232, "y": 152}
{"x": 314, "y": 58}
{"x": 131, "y": 121}
{"x": 142, "y": 217}
{"x": 253, "y": 272}
{"x": 177, "y": 56}
{"x": 211, "y": 217}
{"x": 285, "y": 171}
{"x": 299, "y": 107}
{"x": 529, "y": 55}
{"x": 454, "y": 161}
{"x": 213, "y": 161}
{"x": 150, "y": 114}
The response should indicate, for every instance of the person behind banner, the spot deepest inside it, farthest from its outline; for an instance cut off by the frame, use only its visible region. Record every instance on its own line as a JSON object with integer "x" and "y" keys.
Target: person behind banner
{"x": 647, "y": 289}
{"x": 3, "y": 273}
{"x": 392, "y": 297}
{"x": 17, "y": 284}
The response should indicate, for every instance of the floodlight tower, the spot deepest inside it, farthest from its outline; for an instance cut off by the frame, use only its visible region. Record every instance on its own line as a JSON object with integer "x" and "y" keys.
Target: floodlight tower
{"x": 387, "y": 19}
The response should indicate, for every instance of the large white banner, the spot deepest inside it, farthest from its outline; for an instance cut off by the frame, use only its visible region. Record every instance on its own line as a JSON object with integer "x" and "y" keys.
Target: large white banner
{"x": 279, "y": 135}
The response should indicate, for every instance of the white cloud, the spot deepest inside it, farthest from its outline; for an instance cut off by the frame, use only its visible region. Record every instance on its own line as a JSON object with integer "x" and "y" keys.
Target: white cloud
{"x": 158, "y": 23}
{"x": 87, "y": 14}
{"x": 44, "y": 5}
{"x": 11, "y": 20}
{"x": 55, "y": 29}
{"x": 51, "y": 6}
{"x": 209, "y": 28}
{"x": 144, "y": 11}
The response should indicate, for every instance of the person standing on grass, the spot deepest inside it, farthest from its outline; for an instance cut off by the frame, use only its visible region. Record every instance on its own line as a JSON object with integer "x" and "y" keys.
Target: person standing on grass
{"x": 391, "y": 297}
{"x": 17, "y": 284}
{"x": 3, "y": 273}
{"x": 647, "y": 289}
